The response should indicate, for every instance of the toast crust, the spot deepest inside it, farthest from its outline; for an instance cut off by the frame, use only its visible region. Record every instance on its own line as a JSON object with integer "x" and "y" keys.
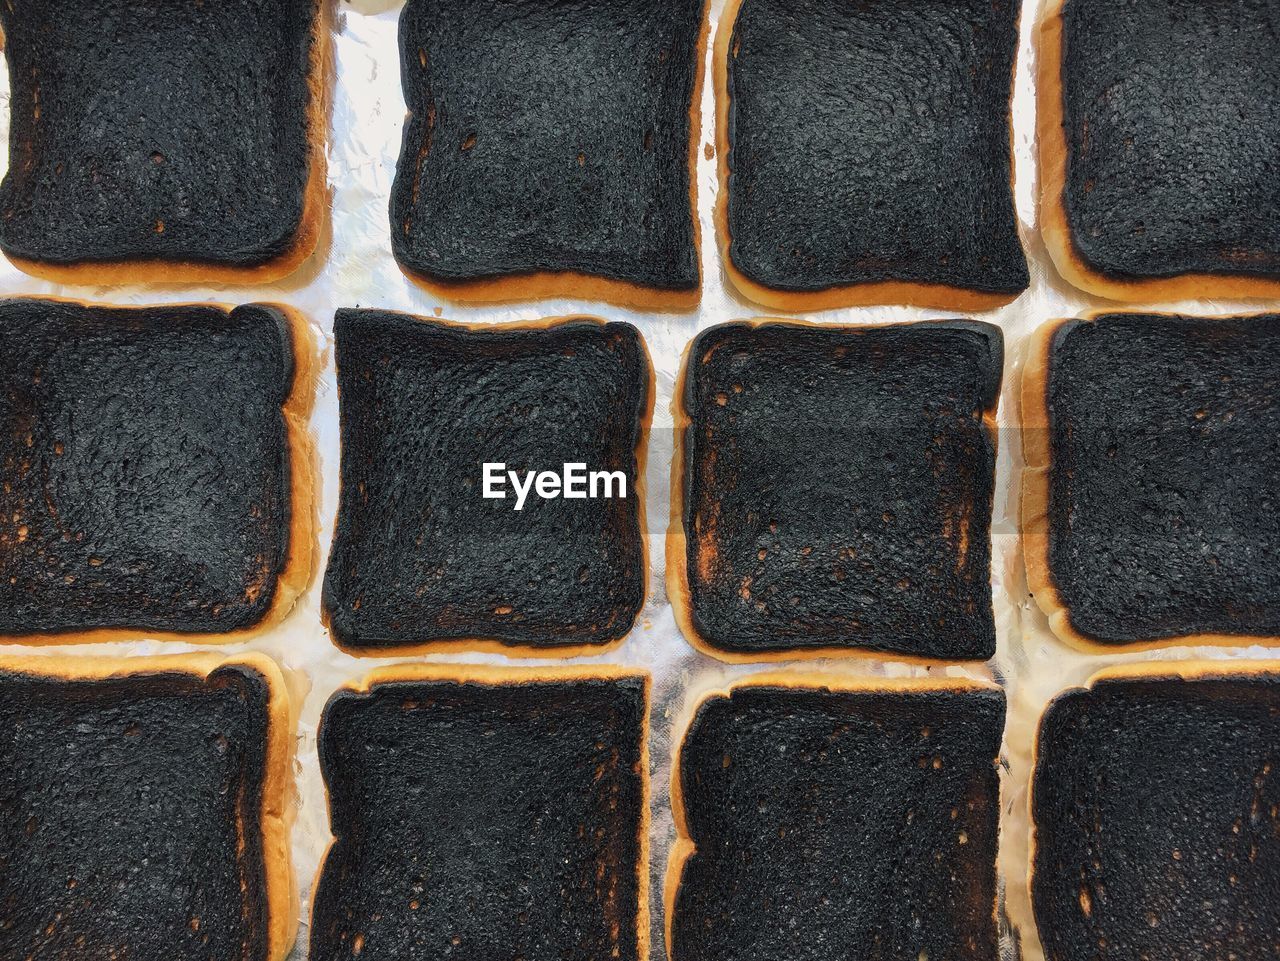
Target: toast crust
{"x": 299, "y": 567}
{"x": 1052, "y": 136}
{"x": 489, "y": 645}
{"x": 684, "y": 847}
{"x": 314, "y": 205}
{"x": 872, "y": 293}
{"x": 1034, "y": 512}
{"x": 495, "y": 676}
{"x": 552, "y": 284}
{"x": 679, "y": 593}
{"x": 279, "y": 807}
{"x": 1188, "y": 670}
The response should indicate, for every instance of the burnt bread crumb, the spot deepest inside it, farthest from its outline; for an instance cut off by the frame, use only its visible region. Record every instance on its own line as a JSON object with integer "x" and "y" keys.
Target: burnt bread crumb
{"x": 832, "y": 490}
{"x": 833, "y": 120}
{"x": 156, "y": 467}
{"x": 421, "y": 560}
{"x": 549, "y": 149}
{"x": 486, "y": 814}
{"x": 1154, "y": 811}
{"x": 1159, "y": 124}
{"x": 1151, "y": 506}
{"x": 160, "y": 141}
{"x": 145, "y": 809}
{"x": 818, "y": 822}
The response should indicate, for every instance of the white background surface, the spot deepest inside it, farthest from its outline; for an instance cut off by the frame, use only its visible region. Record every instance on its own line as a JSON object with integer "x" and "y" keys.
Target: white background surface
{"x": 354, "y": 267}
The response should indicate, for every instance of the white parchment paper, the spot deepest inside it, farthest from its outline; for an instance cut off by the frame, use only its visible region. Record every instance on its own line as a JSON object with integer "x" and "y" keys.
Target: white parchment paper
{"x": 354, "y": 267}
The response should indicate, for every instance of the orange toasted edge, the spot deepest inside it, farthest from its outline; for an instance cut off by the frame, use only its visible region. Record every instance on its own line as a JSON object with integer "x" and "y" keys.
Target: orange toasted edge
{"x": 870, "y": 293}
{"x": 492, "y": 676}
{"x": 490, "y": 645}
{"x": 303, "y": 244}
{"x": 303, "y": 521}
{"x": 278, "y": 789}
{"x": 1034, "y": 511}
{"x": 679, "y": 593}
{"x": 1191, "y": 670}
{"x": 1051, "y": 132}
{"x": 684, "y": 846}
{"x": 547, "y": 285}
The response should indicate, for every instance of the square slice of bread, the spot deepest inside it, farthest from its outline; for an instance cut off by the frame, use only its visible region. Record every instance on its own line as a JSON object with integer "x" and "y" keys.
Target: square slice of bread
{"x": 1156, "y": 814}
{"x": 421, "y": 559}
{"x": 821, "y": 817}
{"x": 1151, "y": 499}
{"x": 1159, "y": 127}
{"x": 865, "y": 153}
{"x": 832, "y": 490}
{"x": 486, "y": 813}
{"x": 161, "y": 141}
{"x": 550, "y": 149}
{"x": 147, "y": 806}
{"x": 158, "y": 472}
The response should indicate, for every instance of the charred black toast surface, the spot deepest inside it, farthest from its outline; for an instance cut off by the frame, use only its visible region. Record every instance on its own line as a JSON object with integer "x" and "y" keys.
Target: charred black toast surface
{"x": 548, "y": 136}
{"x": 1164, "y": 505}
{"x": 1154, "y": 808}
{"x": 859, "y": 823}
{"x": 420, "y": 555}
{"x": 838, "y": 486}
{"x": 143, "y": 130}
{"x": 1171, "y": 116}
{"x": 146, "y": 463}
{"x": 133, "y": 823}
{"x": 840, "y": 116}
{"x": 491, "y": 820}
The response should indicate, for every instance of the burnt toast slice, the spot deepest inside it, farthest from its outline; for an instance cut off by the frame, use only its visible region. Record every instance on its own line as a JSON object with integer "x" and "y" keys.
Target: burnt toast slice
{"x": 158, "y": 472}
{"x": 147, "y": 804}
{"x": 832, "y": 490}
{"x": 832, "y": 121}
{"x": 549, "y": 149}
{"x": 822, "y": 817}
{"x": 485, "y": 812}
{"x": 1154, "y": 814}
{"x": 421, "y": 560}
{"x": 1150, "y": 502}
{"x": 155, "y": 141}
{"x": 1158, "y": 127}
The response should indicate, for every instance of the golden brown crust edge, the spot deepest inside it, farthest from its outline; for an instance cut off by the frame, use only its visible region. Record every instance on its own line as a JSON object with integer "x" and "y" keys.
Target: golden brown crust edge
{"x": 677, "y": 574}
{"x": 1051, "y": 135}
{"x": 488, "y": 645}
{"x": 493, "y": 675}
{"x": 1034, "y": 513}
{"x": 299, "y": 565}
{"x": 684, "y": 846}
{"x": 549, "y": 285}
{"x": 869, "y": 294}
{"x": 314, "y": 205}
{"x": 278, "y": 807}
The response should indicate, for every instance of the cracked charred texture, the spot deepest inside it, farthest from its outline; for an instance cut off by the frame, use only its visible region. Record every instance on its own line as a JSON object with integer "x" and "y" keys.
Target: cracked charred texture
{"x": 548, "y": 135}
{"x": 838, "y": 487}
{"x": 483, "y": 821}
{"x": 870, "y": 142}
{"x": 840, "y": 822}
{"x": 145, "y": 130}
{"x": 419, "y": 555}
{"x": 1156, "y": 826}
{"x": 1172, "y": 124}
{"x": 145, "y": 464}
{"x": 132, "y": 822}
{"x": 1164, "y": 482}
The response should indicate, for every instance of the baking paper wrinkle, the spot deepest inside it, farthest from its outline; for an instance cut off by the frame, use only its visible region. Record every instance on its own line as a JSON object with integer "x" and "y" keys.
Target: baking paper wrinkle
{"x": 355, "y": 268}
